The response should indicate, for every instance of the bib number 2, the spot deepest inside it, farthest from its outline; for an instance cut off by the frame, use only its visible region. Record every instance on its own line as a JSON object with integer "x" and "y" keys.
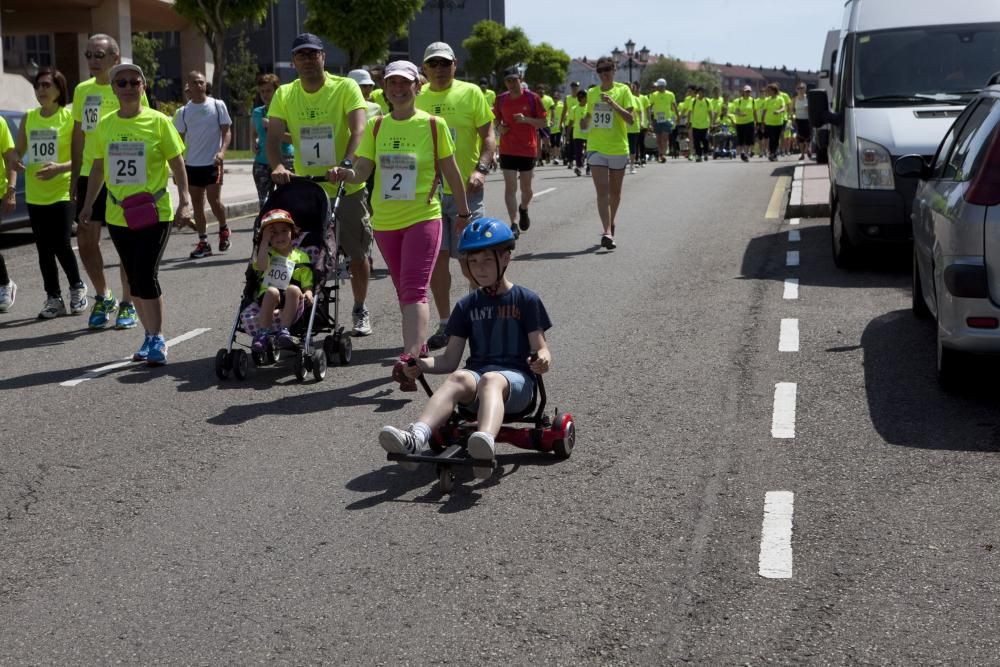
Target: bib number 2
{"x": 399, "y": 176}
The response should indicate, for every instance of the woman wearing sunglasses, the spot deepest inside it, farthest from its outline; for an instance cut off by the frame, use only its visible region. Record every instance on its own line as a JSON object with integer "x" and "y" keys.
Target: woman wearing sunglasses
{"x": 134, "y": 150}
{"x": 43, "y": 142}
{"x": 610, "y": 111}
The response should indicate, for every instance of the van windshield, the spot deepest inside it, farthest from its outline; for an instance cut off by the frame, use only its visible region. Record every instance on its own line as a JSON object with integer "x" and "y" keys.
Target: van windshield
{"x": 927, "y": 65}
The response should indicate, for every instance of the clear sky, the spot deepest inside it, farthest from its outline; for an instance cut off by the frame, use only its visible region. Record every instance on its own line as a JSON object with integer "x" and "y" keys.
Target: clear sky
{"x": 768, "y": 33}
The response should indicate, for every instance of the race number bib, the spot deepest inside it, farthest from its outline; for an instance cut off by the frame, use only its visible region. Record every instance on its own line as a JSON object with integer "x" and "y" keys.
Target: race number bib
{"x": 399, "y": 176}
{"x": 603, "y": 116}
{"x": 279, "y": 272}
{"x": 42, "y": 146}
{"x": 316, "y": 147}
{"x": 661, "y": 116}
{"x": 127, "y": 163}
{"x": 91, "y": 112}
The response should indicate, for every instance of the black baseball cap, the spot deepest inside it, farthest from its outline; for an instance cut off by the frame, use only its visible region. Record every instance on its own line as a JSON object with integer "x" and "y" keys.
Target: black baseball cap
{"x": 307, "y": 40}
{"x": 513, "y": 71}
{"x": 575, "y": 84}
{"x": 484, "y": 81}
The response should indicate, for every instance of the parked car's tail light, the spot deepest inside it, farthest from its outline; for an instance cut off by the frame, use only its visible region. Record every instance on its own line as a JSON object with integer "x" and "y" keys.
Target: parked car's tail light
{"x": 876, "y": 166}
{"x": 985, "y": 187}
{"x": 982, "y": 322}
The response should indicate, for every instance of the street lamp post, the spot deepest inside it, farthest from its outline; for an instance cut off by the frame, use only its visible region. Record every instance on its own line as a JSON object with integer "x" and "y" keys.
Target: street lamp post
{"x": 441, "y": 6}
{"x": 642, "y": 58}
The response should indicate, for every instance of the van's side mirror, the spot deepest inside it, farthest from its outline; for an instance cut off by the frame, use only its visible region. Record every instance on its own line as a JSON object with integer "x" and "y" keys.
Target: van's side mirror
{"x": 819, "y": 109}
{"x": 912, "y": 166}
{"x": 824, "y": 74}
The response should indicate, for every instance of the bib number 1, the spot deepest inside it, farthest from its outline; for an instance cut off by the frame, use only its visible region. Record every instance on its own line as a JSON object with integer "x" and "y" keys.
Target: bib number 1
{"x": 316, "y": 146}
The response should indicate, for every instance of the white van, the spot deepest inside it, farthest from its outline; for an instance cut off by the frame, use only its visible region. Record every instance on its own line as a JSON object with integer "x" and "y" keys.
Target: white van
{"x": 904, "y": 72}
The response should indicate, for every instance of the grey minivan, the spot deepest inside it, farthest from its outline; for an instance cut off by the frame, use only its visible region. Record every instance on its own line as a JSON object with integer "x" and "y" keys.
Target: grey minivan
{"x": 956, "y": 234}
{"x": 19, "y": 218}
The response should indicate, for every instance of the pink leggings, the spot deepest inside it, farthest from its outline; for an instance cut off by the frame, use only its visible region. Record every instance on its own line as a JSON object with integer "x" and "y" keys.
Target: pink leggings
{"x": 410, "y": 254}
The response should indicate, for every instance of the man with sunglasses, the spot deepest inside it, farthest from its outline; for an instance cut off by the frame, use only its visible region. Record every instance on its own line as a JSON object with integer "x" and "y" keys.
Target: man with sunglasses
{"x": 204, "y": 125}
{"x": 93, "y": 99}
{"x": 470, "y": 120}
{"x": 326, "y": 116}
{"x": 519, "y": 115}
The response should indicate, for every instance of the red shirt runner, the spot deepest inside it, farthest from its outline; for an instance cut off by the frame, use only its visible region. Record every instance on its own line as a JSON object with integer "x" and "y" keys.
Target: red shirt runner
{"x": 521, "y": 139}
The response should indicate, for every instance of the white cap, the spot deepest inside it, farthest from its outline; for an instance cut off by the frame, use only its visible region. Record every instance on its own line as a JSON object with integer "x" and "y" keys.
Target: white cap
{"x": 661, "y": 82}
{"x": 361, "y": 77}
{"x": 439, "y": 50}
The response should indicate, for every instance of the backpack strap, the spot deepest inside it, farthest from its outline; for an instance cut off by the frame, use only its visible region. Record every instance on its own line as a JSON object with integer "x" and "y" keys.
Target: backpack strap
{"x": 437, "y": 171}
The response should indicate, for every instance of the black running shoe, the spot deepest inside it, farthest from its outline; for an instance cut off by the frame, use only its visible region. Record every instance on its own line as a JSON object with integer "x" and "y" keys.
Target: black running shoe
{"x": 514, "y": 230}
{"x": 523, "y": 221}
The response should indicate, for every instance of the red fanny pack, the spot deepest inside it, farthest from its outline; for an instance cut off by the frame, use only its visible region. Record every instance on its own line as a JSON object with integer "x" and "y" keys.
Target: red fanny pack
{"x": 140, "y": 209}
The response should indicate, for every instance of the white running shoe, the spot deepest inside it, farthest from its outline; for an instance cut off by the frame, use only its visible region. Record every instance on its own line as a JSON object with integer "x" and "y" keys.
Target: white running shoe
{"x": 362, "y": 322}
{"x": 78, "y": 300}
{"x": 7, "y": 294}
{"x": 482, "y": 448}
{"x": 394, "y": 440}
{"x": 54, "y": 307}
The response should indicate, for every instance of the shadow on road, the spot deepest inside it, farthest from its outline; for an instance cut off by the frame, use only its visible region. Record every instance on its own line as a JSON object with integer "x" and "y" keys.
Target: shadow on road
{"x": 907, "y": 405}
{"x": 532, "y": 256}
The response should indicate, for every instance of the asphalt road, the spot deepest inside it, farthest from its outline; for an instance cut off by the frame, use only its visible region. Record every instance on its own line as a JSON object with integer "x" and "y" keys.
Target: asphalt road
{"x": 160, "y": 516}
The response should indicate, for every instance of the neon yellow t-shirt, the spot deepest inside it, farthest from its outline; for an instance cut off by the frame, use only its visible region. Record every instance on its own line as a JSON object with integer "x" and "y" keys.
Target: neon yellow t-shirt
{"x": 490, "y": 95}
{"x": 378, "y": 97}
{"x": 684, "y": 106}
{"x": 135, "y": 152}
{"x": 787, "y": 100}
{"x": 556, "y": 116}
{"x": 403, "y": 155}
{"x": 662, "y": 104}
{"x": 773, "y": 110}
{"x": 743, "y": 110}
{"x": 92, "y": 102}
{"x": 6, "y": 144}
{"x": 638, "y": 113}
{"x": 579, "y": 112}
{"x": 302, "y": 274}
{"x": 49, "y": 140}
{"x": 716, "y": 104}
{"x": 464, "y": 107}
{"x": 547, "y": 104}
{"x": 701, "y": 113}
{"x": 571, "y": 104}
{"x": 608, "y": 133}
{"x": 318, "y": 124}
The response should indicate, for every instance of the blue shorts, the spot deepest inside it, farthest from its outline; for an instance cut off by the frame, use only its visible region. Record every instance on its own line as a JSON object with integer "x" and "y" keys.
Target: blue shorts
{"x": 449, "y": 219}
{"x": 522, "y": 388}
{"x": 663, "y": 128}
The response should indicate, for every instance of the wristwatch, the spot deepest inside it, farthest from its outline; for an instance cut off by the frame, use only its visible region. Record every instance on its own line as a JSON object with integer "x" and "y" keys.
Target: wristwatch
{"x": 483, "y": 169}
{"x": 347, "y": 164}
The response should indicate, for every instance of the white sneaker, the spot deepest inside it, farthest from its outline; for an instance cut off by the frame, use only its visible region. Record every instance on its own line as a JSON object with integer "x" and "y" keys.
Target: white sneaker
{"x": 362, "y": 322}
{"x": 7, "y": 294}
{"x": 396, "y": 441}
{"x": 631, "y": 169}
{"x": 78, "y": 300}
{"x": 482, "y": 448}
{"x": 54, "y": 307}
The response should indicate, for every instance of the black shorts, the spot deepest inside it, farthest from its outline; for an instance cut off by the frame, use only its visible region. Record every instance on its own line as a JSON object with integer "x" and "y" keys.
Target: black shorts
{"x": 744, "y": 134}
{"x": 202, "y": 177}
{"x": 516, "y": 163}
{"x": 556, "y": 139}
{"x": 100, "y": 209}
{"x": 140, "y": 251}
{"x": 802, "y": 129}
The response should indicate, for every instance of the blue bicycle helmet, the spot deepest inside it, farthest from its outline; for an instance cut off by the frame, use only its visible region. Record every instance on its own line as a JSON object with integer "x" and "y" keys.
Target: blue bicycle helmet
{"x": 485, "y": 233}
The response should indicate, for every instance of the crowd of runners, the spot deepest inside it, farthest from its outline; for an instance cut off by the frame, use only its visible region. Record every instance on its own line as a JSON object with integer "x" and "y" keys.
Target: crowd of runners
{"x": 413, "y": 144}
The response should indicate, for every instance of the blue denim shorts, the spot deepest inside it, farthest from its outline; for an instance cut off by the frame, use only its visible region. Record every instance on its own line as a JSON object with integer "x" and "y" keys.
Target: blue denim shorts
{"x": 522, "y": 388}
{"x": 449, "y": 218}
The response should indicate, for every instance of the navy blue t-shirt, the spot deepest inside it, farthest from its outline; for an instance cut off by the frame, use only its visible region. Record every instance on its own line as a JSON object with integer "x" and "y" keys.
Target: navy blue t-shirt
{"x": 497, "y": 327}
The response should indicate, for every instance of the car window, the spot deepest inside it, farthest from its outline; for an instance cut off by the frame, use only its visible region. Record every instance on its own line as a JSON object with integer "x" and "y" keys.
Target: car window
{"x": 944, "y": 150}
{"x": 966, "y": 140}
{"x": 981, "y": 140}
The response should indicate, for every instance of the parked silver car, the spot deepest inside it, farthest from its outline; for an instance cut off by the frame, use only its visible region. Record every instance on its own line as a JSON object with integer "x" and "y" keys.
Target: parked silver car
{"x": 956, "y": 234}
{"x": 19, "y": 218}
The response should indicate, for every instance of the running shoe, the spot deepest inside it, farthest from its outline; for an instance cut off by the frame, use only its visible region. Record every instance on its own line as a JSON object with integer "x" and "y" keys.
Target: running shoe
{"x": 631, "y": 169}
{"x": 203, "y": 249}
{"x": 100, "y": 316}
{"x": 224, "y": 242}
{"x": 576, "y": 170}
{"x": 127, "y": 317}
{"x": 482, "y": 447}
{"x": 7, "y": 294}
{"x": 608, "y": 242}
{"x": 438, "y": 340}
{"x": 78, "y": 300}
{"x": 157, "y": 351}
{"x": 260, "y": 340}
{"x": 362, "y": 322}
{"x": 743, "y": 156}
{"x": 515, "y": 231}
{"x": 143, "y": 352}
{"x": 54, "y": 307}
{"x": 523, "y": 221}
{"x": 405, "y": 383}
{"x": 284, "y": 339}
{"x": 397, "y": 441}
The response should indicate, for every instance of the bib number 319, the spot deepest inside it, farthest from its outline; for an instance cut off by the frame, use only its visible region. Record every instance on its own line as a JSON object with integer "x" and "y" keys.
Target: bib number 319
{"x": 603, "y": 116}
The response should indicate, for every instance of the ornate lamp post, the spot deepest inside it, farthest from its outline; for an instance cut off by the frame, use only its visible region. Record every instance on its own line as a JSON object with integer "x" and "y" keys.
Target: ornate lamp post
{"x": 641, "y": 58}
{"x": 441, "y": 6}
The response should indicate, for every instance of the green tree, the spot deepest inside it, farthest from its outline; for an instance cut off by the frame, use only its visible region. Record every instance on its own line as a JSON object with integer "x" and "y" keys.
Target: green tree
{"x": 361, "y": 28}
{"x": 241, "y": 76}
{"x": 678, "y": 76}
{"x": 144, "y": 54}
{"x": 492, "y": 48}
{"x": 547, "y": 66}
{"x": 213, "y": 18}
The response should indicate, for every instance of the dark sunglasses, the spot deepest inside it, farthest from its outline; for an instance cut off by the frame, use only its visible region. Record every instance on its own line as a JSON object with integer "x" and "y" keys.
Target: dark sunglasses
{"x": 125, "y": 83}
{"x": 602, "y": 70}
{"x": 99, "y": 55}
{"x": 437, "y": 62}
{"x": 308, "y": 53}
{"x": 43, "y": 84}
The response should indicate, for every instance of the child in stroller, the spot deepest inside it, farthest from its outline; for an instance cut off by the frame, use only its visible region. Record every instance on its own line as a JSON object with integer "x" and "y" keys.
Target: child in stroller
{"x": 286, "y": 279}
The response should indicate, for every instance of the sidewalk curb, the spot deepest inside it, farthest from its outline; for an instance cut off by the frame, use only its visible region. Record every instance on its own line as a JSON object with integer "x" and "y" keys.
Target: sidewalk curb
{"x": 797, "y": 207}
{"x": 241, "y": 209}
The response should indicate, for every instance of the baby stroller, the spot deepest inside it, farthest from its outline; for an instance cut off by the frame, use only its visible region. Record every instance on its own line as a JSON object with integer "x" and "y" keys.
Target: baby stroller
{"x": 723, "y": 143}
{"x": 310, "y": 208}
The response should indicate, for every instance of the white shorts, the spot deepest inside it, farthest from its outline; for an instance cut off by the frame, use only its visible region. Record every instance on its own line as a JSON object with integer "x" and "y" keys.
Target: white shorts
{"x": 615, "y": 162}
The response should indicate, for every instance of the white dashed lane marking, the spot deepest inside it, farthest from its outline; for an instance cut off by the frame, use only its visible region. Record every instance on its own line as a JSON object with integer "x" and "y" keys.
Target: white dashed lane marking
{"x": 794, "y": 236}
{"x": 788, "y": 341}
{"x": 104, "y": 370}
{"x": 791, "y": 288}
{"x": 543, "y": 192}
{"x": 775, "y": 560}
{"x": 792, "y": 258}
{"x": 783, "y": 417}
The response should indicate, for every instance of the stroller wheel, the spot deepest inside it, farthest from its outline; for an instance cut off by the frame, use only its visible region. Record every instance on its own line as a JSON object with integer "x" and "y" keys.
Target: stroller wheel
{"x": 258, "y": 357}
{"x": 299, "y": 366}
{"x": 330, "y": 348}
{"x": 344, "y": 350}
{"x": 318, "y": 364}
{"x": 241, "y": 364}
{"x": 222, "y": 364}
{"x": 446, "y": 479}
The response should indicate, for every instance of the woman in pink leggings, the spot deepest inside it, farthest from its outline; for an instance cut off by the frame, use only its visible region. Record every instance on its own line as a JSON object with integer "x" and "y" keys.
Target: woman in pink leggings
{"x": 412, "y": 150}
